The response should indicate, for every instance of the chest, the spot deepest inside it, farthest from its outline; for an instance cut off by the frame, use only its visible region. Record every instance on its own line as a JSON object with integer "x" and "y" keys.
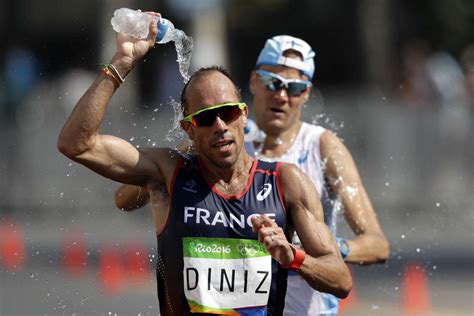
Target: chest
{"x": 204, "y": 211}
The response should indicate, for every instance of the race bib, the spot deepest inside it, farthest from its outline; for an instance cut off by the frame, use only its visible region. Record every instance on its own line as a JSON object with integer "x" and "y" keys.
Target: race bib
{"x": 223, "y": 275}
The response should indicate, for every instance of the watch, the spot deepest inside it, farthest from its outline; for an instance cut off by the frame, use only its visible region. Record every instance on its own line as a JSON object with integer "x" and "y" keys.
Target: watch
{"x": 298, "y": 258}
{"x": 343, "y": 247}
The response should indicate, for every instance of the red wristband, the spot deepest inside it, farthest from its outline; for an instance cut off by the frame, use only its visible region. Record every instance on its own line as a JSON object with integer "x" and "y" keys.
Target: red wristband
{"x": 298, "y": 258}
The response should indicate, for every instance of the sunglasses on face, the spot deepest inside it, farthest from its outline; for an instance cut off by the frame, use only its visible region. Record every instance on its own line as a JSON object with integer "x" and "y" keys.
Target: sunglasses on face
{"x": 274, "y": 82}
{"x": 206, "y": 117}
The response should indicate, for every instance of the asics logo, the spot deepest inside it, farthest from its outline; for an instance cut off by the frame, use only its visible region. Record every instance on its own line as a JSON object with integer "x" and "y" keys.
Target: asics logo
{"x": 262, "y": 195}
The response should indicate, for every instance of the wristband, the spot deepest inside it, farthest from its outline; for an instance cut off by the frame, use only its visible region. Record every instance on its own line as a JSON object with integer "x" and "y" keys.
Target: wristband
{"x": 108, "y": 73}
{"x": 112, "y": 67}
{"x": 298, "y": 258}
{"x": 343, "y": 247}
{"x": 111, "y": 71}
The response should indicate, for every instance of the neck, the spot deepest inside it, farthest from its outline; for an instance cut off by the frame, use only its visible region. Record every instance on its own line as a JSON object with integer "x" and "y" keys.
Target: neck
{"x": 276, "y": 144}
{"x": 230, "y": 180}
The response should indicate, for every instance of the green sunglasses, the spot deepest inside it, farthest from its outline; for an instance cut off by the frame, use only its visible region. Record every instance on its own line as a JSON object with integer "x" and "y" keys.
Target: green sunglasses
{"x": 206, "y": 117}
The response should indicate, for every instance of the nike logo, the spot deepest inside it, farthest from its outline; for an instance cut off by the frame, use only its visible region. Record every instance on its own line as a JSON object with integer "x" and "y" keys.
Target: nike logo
{"x": 262, "y": 195}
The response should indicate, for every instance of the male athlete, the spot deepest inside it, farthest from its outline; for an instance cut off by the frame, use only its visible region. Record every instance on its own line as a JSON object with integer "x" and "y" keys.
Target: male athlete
{"x": 223, "y": 242}
{"x": 281, "y": 84}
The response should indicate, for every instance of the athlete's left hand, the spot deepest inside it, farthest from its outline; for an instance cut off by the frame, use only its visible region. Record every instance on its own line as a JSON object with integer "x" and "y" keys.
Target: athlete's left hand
{"x": 272, "y": 236}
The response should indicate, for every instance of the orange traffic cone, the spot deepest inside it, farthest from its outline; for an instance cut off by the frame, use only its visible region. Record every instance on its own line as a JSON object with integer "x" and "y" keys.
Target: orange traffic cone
{"x": 137, "y": 263}
{"x": 12, "y": 246}
{"x": 345, "y": 305}
{"x": 110, "y": 270}
{"x": 415, "y": 298}
{"x": 74, "y": 253}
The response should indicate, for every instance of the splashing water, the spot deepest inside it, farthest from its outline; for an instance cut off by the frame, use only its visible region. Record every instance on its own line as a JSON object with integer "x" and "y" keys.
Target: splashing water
{"x": 335, "y": 126}
{"x": 184, "y": 48}
{"x": 175, "y": 133}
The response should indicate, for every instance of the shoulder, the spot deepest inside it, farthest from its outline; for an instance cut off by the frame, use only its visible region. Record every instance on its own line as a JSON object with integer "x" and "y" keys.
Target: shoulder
{"x": 310, "y": 136}
{"x": 292, "y": 179}
{"x": 298, "y": 190}
{"x": 330, "y": 143}
{"x": 166, "y": 159}
{"x": 311, "y": 131}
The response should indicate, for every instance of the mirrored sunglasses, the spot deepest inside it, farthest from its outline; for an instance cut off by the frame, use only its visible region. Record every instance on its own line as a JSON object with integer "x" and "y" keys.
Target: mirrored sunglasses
{"x": 206, "y": 117}
{"x": 274, "y": 82}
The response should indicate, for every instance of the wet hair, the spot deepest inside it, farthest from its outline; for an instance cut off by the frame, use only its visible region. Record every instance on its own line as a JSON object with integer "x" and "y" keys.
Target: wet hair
{"x": 200, "y": 73}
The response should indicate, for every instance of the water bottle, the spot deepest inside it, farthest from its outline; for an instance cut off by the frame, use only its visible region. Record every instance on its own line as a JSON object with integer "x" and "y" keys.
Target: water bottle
{"x": 252, "y": 133}
{"x": 136, "y": 23}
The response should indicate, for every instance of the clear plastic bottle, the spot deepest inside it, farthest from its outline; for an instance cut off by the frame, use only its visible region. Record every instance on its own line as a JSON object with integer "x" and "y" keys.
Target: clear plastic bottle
{"x": 136, "y": 23}
{"x": 252, "y": 133}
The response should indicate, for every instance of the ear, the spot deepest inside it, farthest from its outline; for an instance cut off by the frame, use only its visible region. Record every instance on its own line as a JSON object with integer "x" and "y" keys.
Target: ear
{"x": 307, "y": 93}
{"x": 189, "y": 129}
{"x": 253, "y": 82}
{"x": 245, "y": 114}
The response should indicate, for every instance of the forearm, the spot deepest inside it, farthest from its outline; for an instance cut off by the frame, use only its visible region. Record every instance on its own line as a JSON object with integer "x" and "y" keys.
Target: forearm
{"x": 327, "y": 274}
{"x": 368, "y": 249}
{"x": 84, "y": 122}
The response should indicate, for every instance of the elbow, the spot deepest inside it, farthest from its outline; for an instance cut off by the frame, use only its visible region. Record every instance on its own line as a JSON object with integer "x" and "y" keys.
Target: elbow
{"x": 345, "y": 284}
{"x": 120, "y": 203}
{"x": 70, "y": 147}
{"x": 384, "y": 252}
{"x": 381, "y": 250}
{"x": 65, "y": 146}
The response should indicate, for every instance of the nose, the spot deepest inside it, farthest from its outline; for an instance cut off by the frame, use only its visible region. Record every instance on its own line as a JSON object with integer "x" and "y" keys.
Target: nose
{"x": 282, "y": 93}
{"x": 220, "y": 124}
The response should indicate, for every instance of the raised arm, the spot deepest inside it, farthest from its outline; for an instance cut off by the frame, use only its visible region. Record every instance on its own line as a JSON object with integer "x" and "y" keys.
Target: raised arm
{"x": 132, "y": 197}
{"x": 108, "y": 155}
{"x": 370, "y": 245}
{"x": 322, "y": 267}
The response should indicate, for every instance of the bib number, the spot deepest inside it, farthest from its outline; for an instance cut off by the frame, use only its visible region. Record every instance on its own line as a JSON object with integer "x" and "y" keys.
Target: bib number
{"x": 222, "y": 275}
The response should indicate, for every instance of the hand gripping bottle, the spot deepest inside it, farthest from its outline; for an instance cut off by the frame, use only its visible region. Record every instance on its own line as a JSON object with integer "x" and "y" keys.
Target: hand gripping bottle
{"x": 136, "y": 23}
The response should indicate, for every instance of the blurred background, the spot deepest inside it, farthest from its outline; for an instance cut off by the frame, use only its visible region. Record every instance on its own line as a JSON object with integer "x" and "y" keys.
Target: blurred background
{"x": 394, "y": 79}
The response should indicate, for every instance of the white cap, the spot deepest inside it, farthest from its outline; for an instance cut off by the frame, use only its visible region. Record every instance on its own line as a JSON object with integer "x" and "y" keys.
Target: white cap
{"x": 272, "y": 54}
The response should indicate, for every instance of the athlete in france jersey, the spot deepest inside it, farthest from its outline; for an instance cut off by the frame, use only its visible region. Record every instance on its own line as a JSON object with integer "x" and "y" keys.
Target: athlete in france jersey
{"x": 229, "y": 271}
{"x": 301, "y": 299}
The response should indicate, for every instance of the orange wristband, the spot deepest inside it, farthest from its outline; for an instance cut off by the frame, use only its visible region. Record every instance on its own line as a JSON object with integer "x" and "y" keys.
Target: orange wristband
{"x": 108, "y": 73}
{"x": 298, "y": 258}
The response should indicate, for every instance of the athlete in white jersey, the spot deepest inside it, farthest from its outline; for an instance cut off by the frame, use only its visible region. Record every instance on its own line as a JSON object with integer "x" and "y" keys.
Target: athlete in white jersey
{"x": 281, "y": 84}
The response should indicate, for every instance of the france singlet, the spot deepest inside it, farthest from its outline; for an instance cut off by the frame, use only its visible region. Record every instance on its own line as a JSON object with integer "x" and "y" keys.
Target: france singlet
{"x": 209, "y": 260}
